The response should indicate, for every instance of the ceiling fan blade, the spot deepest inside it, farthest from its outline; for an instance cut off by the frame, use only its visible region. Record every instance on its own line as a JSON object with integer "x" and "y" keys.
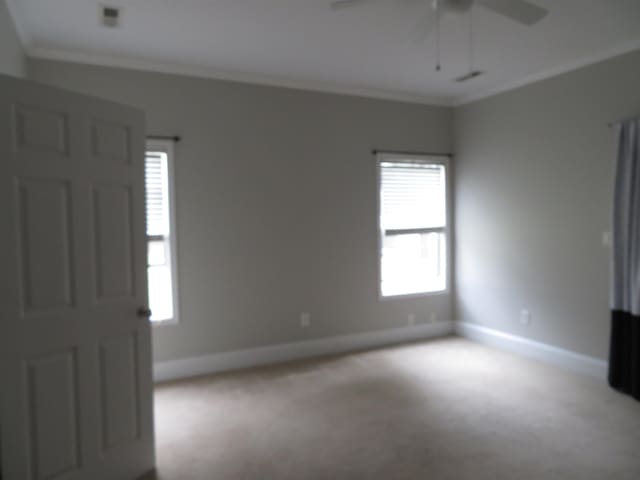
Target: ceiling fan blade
{"x": 520, "y": 11}
{"x": 423, "y": 28}
{"x": 340, "y": 4}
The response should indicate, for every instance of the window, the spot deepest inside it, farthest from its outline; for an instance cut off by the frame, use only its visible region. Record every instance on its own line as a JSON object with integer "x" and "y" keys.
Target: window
{"x": 161, "y": 257}
{"x": 413, "y": 224}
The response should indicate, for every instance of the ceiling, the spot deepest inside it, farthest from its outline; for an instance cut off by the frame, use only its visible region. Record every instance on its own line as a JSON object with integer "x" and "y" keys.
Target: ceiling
{"x": 368, "y": 50}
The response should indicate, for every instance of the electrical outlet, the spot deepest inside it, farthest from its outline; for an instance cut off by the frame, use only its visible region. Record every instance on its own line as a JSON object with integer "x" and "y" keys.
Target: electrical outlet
{"x": 433, "y": 317}
{"x": 606, "y": 239}
{"x": 411, "y": 319}
{"x": 525, "y": 317}
{"x": 305, "y": 320}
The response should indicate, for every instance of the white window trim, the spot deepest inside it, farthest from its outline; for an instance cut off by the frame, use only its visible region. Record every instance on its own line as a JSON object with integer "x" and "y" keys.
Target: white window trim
{"x": 437, "y": 159}
{"x": 167, "y": 146}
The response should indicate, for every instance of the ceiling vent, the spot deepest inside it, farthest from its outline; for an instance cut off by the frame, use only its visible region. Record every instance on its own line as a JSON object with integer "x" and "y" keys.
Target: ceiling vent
{"x": 471, "y": 75}
{"x": 110, "y": 16}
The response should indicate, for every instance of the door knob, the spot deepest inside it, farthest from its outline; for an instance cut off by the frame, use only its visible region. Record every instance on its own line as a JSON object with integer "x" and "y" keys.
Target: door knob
{"x": 144, "y": 312}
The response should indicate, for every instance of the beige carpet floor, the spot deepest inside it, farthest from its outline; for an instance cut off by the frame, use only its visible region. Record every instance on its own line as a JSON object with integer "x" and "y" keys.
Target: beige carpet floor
{"x": 443, "y": 409}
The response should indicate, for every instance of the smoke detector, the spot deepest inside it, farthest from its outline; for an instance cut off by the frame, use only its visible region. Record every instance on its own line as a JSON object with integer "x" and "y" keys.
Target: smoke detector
{"x": 110, "y": 16}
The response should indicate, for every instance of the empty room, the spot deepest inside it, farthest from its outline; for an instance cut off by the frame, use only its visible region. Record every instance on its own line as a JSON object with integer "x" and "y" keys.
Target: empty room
{"x": 319, "y": 239}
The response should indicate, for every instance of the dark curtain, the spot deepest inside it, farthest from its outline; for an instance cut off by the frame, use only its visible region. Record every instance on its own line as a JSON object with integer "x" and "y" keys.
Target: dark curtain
{"x": 624, "y": 356}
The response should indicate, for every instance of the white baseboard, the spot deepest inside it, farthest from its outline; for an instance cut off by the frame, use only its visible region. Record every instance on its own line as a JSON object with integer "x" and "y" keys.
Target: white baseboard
{"x": 567, "y": 359}
{"x": 219, "y": 362}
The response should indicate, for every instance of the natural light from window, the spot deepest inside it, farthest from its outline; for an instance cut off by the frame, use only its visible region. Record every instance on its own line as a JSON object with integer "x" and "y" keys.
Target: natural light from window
{"x": 413, "y": 225}
{"x": 160, "y": 254}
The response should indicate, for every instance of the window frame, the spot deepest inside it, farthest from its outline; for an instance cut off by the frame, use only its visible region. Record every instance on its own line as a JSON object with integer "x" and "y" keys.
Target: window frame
{"x": 167, "y": 146}
{"x": 434, "y": 159}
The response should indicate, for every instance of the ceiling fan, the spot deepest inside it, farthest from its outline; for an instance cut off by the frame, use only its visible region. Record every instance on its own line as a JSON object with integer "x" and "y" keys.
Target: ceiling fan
{"x": 520, "y": 11}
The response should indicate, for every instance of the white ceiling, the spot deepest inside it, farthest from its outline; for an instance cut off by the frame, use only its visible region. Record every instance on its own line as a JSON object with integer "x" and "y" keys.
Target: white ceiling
{"x": 368, "y": 50}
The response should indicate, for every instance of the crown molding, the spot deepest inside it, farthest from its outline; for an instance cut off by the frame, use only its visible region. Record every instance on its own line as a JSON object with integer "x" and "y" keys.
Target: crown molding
{"x": 552, "y": 72}
{"x": 16, "y": 11}
{"x": 234, "y": 76}
{"x": 297, "y": 84}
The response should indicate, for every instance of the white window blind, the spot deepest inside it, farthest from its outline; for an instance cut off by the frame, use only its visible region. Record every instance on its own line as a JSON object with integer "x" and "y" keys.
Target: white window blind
{"x": 413, "y": 225}
{"x": 157, "y": 194}
{"x": 413, "y": 196}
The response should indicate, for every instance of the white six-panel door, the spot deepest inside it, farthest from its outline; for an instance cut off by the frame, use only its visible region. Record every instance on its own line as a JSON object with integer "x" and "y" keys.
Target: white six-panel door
{"x": 74, "y": 338}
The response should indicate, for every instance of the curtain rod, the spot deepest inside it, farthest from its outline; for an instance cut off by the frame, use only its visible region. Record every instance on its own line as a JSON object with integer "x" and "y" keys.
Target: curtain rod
{"x": 173, "y": 138}
{"x": 400, "y": 152}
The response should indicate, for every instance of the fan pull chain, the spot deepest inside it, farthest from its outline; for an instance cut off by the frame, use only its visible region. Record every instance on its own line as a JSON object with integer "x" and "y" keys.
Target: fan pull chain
{"x": 437, "y": 7}
{"x": 471, "y": 52}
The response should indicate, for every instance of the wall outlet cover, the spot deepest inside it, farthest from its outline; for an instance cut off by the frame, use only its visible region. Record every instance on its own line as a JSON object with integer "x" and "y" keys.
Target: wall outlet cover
{"x": 305, "y": 320}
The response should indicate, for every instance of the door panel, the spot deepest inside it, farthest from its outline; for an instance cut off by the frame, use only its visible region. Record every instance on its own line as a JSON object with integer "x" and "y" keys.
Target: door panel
{"x": 75, "y": 357}
{"x": 53, "y": 393}
{"x": 44, "y": 244}
{"x": 111, "y": 142}
{"x": 119, "y": 390}
{"x": 113, "y": 241}
{"x": 42, "y": 131}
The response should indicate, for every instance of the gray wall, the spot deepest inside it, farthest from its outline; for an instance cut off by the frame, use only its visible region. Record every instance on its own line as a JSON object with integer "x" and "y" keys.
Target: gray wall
{"x": 534, "y": 178}
{"x": 12, "y": 61}
{"x": 276, "y": 204}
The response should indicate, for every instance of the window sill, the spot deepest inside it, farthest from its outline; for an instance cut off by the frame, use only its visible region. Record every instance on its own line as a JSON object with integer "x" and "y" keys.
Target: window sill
{"x": 404, "y": 296}
{"x": 164, "y": 323}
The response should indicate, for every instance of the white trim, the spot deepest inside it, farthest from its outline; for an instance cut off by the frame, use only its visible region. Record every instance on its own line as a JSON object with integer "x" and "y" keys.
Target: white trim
{"x": 560, "y": 357}
{"x": 234, "y": 76}
{"x": 17, "y": 14}
{"x": 309, "y": 85}
{"x": 219, "y": 362}
{"x": 552, "y": 72}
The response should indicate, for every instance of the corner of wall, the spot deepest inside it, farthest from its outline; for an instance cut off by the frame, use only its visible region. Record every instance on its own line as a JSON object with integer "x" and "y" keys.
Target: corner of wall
{"x": 13, "y": 59}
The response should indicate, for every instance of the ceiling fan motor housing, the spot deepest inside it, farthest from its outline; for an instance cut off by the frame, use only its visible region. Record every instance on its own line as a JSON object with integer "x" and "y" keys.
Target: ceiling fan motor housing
{"x": 456, "y": 6}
